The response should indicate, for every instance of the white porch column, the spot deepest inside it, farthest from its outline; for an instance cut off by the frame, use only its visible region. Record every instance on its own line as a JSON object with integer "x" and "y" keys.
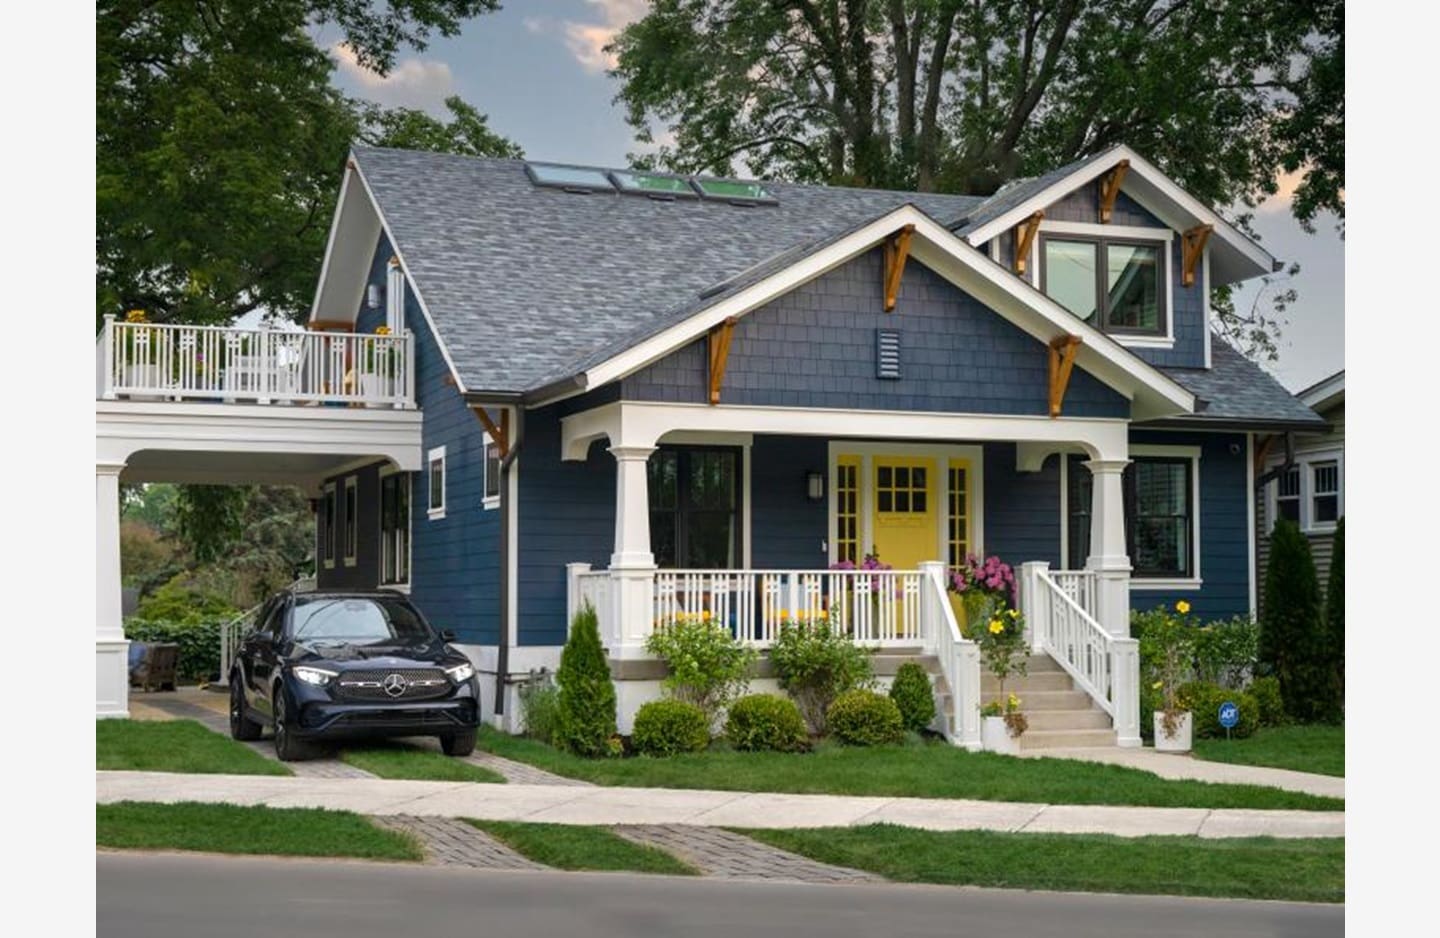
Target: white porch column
{"x": 112, "y": 675}
{"x": 1034, "y": 604}
{"x": 1107, "y": 546}
{"x": 632, "y": 565}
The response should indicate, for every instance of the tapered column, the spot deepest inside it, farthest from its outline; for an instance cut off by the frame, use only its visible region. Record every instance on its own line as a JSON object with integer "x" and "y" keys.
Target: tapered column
{"x": 1107, "y": 546}
{"x": 112, "y": 686}
{"x": 632, "y": 565}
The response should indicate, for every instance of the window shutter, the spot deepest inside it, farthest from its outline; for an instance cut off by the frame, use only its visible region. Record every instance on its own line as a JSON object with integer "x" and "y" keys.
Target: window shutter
{"x": 887, "y": 353}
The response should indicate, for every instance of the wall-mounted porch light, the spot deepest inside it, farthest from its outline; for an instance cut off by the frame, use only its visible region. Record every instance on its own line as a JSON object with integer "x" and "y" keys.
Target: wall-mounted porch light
{"x": 372, "y": 296}
{"x": 814, "y": 486}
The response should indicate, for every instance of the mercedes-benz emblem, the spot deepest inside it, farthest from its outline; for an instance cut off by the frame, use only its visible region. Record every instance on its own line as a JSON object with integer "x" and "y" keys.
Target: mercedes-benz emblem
{"x": 394, "y": 684}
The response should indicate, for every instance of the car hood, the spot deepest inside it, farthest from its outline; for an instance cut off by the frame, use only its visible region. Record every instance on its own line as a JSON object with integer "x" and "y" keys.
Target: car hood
{"x": 347, "y": 657}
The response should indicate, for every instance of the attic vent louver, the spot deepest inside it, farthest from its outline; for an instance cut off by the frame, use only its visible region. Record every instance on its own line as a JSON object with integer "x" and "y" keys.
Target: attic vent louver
{"x": 887, "y": 353}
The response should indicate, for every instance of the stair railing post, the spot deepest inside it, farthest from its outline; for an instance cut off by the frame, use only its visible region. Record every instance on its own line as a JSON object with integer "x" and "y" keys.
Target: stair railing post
{"x": 1125, "y": 690}
{"x": 1034, "y": 605}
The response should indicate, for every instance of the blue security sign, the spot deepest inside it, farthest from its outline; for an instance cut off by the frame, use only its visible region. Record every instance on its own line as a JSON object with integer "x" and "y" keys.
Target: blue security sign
{"x": 1229, "y": 714}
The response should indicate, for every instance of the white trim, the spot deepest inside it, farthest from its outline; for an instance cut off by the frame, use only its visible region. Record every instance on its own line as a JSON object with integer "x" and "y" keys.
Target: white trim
{"x": 352, "y": 486}
{"x": 488, "y": 502}
{"x": 512, "y": 507}
{"x": 1194, "y": 581}
{"x": 329, "y": 544}
{"x": 1205, "y": 298}
{"x": 330, "y": 244}
{"x": 1095, "y": 234}
{"x": 1305, "y": 461}
{"x": 395, "y": 296}
{"x": 436, "y": 454}
{"x": 1141, "y": 175}
{"x": 1092, "y": 230}
{"x": 1318, "y": 394}
{"x": 1250, "y": 518}
{"x": 941, "y": 251}
{"x": 867, "y": 450}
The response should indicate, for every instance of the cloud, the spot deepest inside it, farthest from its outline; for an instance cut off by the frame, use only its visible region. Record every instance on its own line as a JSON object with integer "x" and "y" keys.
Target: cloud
{"x": 587, "y": 40}
{"x": 413, "y": 83}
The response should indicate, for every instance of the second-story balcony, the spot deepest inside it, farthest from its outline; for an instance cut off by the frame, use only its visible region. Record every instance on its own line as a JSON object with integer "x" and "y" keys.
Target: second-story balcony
{"x": 150, "y": 361}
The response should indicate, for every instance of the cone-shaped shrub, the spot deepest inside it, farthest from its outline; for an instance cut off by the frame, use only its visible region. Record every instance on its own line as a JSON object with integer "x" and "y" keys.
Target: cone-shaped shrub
{"x": 912, "y": 694}
{"x": 1293, "y": 638}
{"x": 585, "y": 721}
{"x": 1335, "y": 606}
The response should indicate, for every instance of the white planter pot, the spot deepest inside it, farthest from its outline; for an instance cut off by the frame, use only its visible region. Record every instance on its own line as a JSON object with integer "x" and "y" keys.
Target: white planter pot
{"x": 372, "y": 386}
{"x": 995, "y": 737}
{"x": 142, "y": 376}
{"x": 1180, "y": 742}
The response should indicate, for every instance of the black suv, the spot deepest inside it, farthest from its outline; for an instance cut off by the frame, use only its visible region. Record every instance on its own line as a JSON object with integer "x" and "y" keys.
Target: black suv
{"x": 323, "y": 666}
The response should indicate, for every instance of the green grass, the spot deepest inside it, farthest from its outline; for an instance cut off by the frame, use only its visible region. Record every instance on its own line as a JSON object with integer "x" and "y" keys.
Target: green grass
{"x": 925, "y": 771}
{"x": 396, "y": 760}
{"x": 1314, "y": 748}
{"x": 1249, "y": 868}
{"x": 175, "y": 746}
{"x": 568, "y": 847}
{"x": 223, "y": 828}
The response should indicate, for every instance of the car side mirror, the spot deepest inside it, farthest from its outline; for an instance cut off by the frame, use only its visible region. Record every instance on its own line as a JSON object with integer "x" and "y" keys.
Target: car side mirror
{"x": 447, "y": 635}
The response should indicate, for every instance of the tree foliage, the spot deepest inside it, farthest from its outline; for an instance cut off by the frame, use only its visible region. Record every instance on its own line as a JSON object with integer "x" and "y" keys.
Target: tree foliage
{"x": 220, "y": 142}
{"x": 1294, "y": 644}
{"x": 1335, "y": 605}
{"x": 585, "y": 717}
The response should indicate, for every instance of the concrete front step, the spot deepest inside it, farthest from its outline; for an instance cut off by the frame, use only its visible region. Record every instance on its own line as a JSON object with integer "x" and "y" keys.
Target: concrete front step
{"x": 1057, "y": 739}
{"x": 1034, "y": 681}
{"x": 1090, "y": 719}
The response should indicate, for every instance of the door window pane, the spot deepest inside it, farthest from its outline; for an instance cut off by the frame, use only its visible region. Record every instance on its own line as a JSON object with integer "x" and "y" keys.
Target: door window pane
{"x": 1070, "y": 268}
{"x": 1133, "y": 284}
{"x": 694, "y": 501}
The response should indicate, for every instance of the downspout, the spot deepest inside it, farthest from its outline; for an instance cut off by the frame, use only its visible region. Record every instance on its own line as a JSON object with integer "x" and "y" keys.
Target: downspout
{"x": 508, "y": 530}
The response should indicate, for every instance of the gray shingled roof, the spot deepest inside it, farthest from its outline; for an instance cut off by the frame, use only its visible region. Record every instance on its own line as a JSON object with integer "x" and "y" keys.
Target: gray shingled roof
{"x": 526, "y": 282}
{"x": 1236, "y": 390}
{"x": 1017, "y": 192}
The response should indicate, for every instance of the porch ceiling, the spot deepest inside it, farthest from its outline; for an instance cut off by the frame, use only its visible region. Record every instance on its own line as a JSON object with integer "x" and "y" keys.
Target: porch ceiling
{"x": 212, "y": 468}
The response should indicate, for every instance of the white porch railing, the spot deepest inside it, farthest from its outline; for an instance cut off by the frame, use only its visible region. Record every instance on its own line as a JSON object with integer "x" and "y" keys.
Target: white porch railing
{"x": 220, "y": 363}
{"x": 959, "y": 659}
{"x": 1079, "y": 585}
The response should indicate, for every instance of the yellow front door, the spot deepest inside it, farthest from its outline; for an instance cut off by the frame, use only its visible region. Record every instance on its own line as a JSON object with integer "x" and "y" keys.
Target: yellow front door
{"x": 906, "y": 510}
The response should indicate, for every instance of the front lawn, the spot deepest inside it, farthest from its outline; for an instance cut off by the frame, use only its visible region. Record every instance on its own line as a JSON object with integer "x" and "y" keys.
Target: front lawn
{"x": 224, "y": 828}
{"x": 568, "y": 847}
{"x": 396, "y": 760}
{"x": 1312, "y": 748}
{"x": 175, "y": 746}
{"x": 1250, "y": 868}
{"x": 924, "y": 771}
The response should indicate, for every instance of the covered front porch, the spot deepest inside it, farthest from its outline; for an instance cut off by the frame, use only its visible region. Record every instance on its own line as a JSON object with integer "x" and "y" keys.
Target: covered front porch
{"x": 758, "y": 515}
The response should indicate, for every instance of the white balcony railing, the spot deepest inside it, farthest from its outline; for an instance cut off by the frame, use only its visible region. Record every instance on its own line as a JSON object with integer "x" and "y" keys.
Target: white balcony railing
{"x": 220, "y": 363}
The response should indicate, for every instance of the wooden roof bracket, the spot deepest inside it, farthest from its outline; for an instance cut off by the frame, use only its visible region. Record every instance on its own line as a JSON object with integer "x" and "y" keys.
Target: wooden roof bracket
{"x": 1062, "y": 362}
{"x": 1192, "y": 249}
{"x": 897, "y": 251}
{"x": 500, "y": 435}
{"x": 1024, "y": 237}
{"x": 719, "y": 353}
{"x": 1110, "y": 189}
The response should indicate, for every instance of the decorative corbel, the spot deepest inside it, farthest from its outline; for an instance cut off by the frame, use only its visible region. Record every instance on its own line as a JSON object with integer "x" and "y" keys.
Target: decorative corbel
{"x": 1024, "y": 237}
{"x": 1192, "y": 249}
{"x": 1110, "y": 189}
{"x": 719, "y": 353}
{"x": 1062, "y": 362}
{"x": 500, "y": 435}
{"x": 897, "y": 251}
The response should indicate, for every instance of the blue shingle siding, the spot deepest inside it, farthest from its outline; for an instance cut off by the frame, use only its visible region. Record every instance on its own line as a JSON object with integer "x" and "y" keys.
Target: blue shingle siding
{"x": 1022, "y": 509}
{"x": 365, "y": 574}
{"x": 566, "y": 515}
{"x": 1224, "y": 533}
{"x": 815, "y": 347}
{"x": 1083, "y": 205}
{"x": 790, "y": 531}
{"x": 1187, "y": 309}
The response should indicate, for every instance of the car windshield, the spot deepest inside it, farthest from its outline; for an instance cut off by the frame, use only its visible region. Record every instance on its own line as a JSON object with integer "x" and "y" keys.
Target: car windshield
{"x": 358, "y": 620}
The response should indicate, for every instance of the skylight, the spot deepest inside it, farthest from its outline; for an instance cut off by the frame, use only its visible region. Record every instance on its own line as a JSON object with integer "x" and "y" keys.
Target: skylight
{"x": 572, "y": 178}
{"x": 653, "y": 184}
{"x": 733, "y": 190}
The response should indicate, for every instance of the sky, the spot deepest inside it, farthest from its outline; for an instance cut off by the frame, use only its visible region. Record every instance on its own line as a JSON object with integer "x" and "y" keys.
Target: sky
{"x": 537, "y": 68}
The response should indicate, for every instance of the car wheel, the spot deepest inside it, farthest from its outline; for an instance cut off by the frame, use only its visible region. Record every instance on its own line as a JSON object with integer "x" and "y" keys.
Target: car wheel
{"x": 241, "y": 726}
{"x": 458, "y": 744}
{"x": 287, "y": 747}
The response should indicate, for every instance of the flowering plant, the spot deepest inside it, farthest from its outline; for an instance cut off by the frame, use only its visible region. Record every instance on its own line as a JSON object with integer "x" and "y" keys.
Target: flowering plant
{"x": 871, "y": 562}
{"x": 991, "y": 577}
{"x": 1002, "y": 647}
{"x": 1167, "y": 646}
{"x": 135, "y": 344}
{"x": 381, "y": 357}
{"x": 1015, "y": 722}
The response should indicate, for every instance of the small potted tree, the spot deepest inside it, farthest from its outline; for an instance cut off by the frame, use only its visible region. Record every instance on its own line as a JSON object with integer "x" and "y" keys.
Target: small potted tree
{"x": 1168, "y": 643}
{"x": 1002, "y": 651}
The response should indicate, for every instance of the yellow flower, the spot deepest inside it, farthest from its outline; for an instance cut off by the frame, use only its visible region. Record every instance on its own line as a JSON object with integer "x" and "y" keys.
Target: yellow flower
{"x": 1014, "y": 701}
{"x": 382, "y": 330}
{"x": 1157, "y": 685}
{"x": 824, "y": 615}
{"x": 705, "y": 616}
{"x": 784, "y": 614}
{"x": 801, "y": 614}
{"x": 135, "y": 315}
{"x": 1182, "y": 607}
{"x": 1013, "y": 613}
{"x": 996, "y": 626}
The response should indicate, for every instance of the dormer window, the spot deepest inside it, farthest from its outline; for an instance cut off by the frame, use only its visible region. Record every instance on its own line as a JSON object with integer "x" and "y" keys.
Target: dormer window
{"x": 1117, "y": 286}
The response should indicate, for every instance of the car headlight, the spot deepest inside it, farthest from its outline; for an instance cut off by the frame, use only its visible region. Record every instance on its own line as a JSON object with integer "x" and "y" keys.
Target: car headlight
{"x": 316, "y": 676}
{"x": 461, "y": 673}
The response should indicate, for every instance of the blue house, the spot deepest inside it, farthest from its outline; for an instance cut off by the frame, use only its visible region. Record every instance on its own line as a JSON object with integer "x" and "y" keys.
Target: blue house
{"x": 664, "y": 395}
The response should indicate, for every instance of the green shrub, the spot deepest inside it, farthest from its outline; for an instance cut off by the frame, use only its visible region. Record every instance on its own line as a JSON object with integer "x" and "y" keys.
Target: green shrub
{"x": 174, "y": 602}
{"x": 1293, "y": 639}
{"x": 199, "y": 645}
{"x": 1203, "y": 700}
{"x": 708, "y": 666}
{"x": 766, "y": 722}
{"x": 585, "y": 709}
{"x": 913, "y": 694}
{"x": 815, "y": 665}
{"x": 1266, "y": 691}
{"x": 1226, "y": 651}
{"x": 1335, "y": 608}
{"x": 667, "y": 727}
{"x": 865, "y": 718}
{"x": 540, "y": 707}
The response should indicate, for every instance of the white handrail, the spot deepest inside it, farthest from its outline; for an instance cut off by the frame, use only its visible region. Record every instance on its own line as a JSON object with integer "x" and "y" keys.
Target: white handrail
{"x": 232, "y": 632}
{"x": 959, "y": 660}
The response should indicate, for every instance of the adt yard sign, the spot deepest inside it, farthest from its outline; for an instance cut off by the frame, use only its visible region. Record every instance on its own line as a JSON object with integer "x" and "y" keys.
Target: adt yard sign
{"x": 1229, "y": 715}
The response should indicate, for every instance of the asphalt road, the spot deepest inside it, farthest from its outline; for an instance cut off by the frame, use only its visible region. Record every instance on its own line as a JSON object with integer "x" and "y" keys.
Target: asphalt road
{"x": 163, "y": 895}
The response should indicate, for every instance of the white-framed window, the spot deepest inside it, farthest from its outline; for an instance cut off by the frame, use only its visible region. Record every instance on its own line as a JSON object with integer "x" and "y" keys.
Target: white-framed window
{"x": 492, "y": 475}
{"x": 395, "y": 528}
{"x": 1310, "y": 493}
{"x": 327, "y": 526}
{"x": 352, "y": 521}
{"x": 435, "y": 476}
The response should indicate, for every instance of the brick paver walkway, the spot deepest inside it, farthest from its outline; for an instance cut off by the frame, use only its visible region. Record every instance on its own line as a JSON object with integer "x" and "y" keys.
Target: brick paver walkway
{"x": 516, "y": 773}
{"x": 717, "y": 852}
{"x": 452, "y": 842}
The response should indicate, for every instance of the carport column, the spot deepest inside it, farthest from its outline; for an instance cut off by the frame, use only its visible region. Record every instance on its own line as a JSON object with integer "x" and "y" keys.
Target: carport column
{"x": 1112, "y": 592}
{"x": 112, "y": 685}
{"x": 632, "y": 565}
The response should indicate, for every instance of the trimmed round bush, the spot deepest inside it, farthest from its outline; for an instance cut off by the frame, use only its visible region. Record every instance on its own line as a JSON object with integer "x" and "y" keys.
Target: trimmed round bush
{"x": 668, "y": 727}
{"x": 1203, "y": 700}
{"x": 1266, "y": 691}
{"x": 912, "y": 693}
{"x": 865, "y": 718}
{"x": 766, "y": 722}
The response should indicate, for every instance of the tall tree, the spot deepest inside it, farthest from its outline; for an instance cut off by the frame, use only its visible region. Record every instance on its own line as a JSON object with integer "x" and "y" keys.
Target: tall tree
{"x": 220, "y": 141}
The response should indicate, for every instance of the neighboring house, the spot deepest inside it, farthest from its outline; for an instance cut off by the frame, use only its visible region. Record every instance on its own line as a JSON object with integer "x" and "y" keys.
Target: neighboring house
{"x": 660, "y": 395}
{"x": 1307, "y": 485}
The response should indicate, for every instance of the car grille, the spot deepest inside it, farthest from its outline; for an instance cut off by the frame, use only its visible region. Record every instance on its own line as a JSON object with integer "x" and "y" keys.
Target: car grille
{"x": 420, "y": 684}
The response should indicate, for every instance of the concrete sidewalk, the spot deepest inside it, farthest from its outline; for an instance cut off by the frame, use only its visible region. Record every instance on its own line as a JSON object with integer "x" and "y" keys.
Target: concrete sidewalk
{"x": 1185, "y": 766}
{"x": 599, "y": 805}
